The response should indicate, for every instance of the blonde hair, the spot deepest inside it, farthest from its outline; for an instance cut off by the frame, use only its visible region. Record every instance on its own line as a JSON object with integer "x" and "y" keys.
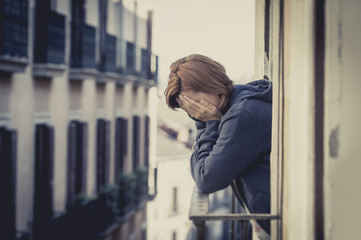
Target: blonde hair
{"x": 198, "y": 73}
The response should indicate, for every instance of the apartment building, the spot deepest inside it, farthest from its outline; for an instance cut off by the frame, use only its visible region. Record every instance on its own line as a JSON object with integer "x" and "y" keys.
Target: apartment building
{"x": 75, "y": 80}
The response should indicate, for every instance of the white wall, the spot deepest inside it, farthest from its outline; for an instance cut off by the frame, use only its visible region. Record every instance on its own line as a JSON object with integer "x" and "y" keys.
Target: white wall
{"x": 342, "y": 133}
{"x": 113, "y": 17}
{"x": 128, "y": 32}
{"x": 92, "y": 13}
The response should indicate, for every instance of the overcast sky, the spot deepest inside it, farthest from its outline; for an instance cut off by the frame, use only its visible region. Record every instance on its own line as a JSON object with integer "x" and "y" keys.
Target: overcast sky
{"x": 220, "y": 29}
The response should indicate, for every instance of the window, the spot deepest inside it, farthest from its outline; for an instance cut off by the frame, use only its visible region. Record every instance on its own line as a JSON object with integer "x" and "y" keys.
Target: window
{"x": 146, "y": 149}
{"x": 43, "y": 184}
{"x": 14, "y": 28}
{"x": 8, "y": 140}
{"x": 103, "y": 144}
{"x": 145, "y": 63}
{"x": 130, "y": 57}
{"x": 121, "y": 139}
{"x": 103, "y": 7}
{"x": 110, "y": 53}
{"x": 77, "y": 159}
{"x": 136, "y": 142}
{"x": 49, "y": 43}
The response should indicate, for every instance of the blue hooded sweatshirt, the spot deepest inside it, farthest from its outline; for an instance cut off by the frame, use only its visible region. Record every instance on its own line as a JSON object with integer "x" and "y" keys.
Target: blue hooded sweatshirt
{"x": 236, "y": 150}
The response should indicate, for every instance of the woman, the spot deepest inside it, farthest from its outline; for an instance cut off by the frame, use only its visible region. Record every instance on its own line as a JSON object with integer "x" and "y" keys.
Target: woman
{"x": 233, "y": 141}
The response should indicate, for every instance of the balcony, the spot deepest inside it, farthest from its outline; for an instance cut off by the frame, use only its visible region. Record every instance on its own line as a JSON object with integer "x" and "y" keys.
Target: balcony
{"x": 108, "y": 62}
{"x": 13, "y": 35}
{"x": 83, "y": 47}
{"x": 199, "y": 214}
{"x": 49, "y": 54}
{"x": 138, "y": 62}
{"x": 94, "y": 218}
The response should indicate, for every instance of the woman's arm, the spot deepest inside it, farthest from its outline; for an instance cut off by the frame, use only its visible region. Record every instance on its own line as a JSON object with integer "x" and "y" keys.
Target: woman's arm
{"x": 221, "y": 155}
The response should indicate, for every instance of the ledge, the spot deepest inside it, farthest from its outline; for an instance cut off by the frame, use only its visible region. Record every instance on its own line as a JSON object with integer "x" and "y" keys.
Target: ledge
{"x": 13, "y": 64}
{"x": 199, "y": 209}
{"x": 48, "y": 70}
{"x": 82, "y": 73}
{"x": 104, "y": 77}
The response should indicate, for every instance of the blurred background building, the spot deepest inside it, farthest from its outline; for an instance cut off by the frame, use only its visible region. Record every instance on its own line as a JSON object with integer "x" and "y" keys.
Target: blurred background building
{"x": 75, "y": 80}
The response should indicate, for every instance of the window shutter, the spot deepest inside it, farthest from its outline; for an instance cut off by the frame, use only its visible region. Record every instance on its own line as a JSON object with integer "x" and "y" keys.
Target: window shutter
{"x": 84, "y": 158}
{"x": 106, "y": 151}
{"x": 50, "y": 168}
{"x": 117, "y": 149}
{"x": 71, "y": 161}
{"x": 146, "y": 148}
{"x": 43, "y": 188}
{"x": 79, "y": 158}
{"x": 136, "y": 141}
{"x": 100, "y": 150}
{"x": 103, "y": 152}
{"x": 8, "y": 140}
{"x": 124, "y": 138}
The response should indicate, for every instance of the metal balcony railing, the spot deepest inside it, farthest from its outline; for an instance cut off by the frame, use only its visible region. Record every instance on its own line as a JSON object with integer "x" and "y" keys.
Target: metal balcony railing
{"x": 108, "y": 64}
{"x": 83, "y": 46}
{"x": 14, "y": 28}
{"x": 199, "y": 214}
{"x": 50, "y": 38}
{"x": 136, "y": 60}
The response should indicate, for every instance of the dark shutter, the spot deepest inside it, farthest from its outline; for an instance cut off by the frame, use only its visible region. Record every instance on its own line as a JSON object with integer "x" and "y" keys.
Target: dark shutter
{"x": 43, "y": 184}
{"x": 77, "y": 159}
{"x": 121, "y": 130}
{"x": 130, "y": 58}
{"x": 146, "y": 147}
{"x": 117, "y": 149}
{"x": 103, "y": 6}
{"x": 124, "y": 138}
{"x": 106, "y": 151}
{"x": 8, "y": 140}
{"x": 100, "y": 150}
{"x": 71, "y": 162}
{"x": 103, "y": 133}
{"x": 77, "y": 21}
{"x": 84, "y": 157}
{"x": 136, "y": 141}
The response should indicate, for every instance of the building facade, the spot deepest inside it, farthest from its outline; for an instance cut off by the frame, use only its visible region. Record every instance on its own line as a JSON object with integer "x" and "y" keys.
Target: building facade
{"x": 75, "y": 82}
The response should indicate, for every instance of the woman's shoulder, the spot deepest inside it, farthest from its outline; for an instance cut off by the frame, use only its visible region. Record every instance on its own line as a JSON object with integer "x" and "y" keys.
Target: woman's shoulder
{"x": 250, "y": 109}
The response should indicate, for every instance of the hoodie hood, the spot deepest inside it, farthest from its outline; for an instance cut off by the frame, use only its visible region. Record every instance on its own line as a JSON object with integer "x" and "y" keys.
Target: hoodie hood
{"x": 259, "y": 89}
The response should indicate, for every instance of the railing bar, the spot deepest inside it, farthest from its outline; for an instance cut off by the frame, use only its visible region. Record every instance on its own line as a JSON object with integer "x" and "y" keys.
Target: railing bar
{"x": 233, "y": 210}
{"x": 235, "y": 216}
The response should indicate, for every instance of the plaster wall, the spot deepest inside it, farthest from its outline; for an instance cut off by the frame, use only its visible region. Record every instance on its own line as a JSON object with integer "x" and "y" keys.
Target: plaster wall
{"x": 342, "y": 133}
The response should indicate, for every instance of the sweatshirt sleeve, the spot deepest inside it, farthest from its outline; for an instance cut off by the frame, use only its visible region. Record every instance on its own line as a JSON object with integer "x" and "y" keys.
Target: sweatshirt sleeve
{"x": 221, "y": 153}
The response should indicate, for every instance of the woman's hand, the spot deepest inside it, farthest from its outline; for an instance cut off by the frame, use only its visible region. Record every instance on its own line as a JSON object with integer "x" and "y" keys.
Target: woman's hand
{"x": 203, "y": 110}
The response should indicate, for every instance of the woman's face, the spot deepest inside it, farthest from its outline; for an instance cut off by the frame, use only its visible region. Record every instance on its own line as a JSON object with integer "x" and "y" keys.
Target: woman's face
{"x": 198, "y": 96}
